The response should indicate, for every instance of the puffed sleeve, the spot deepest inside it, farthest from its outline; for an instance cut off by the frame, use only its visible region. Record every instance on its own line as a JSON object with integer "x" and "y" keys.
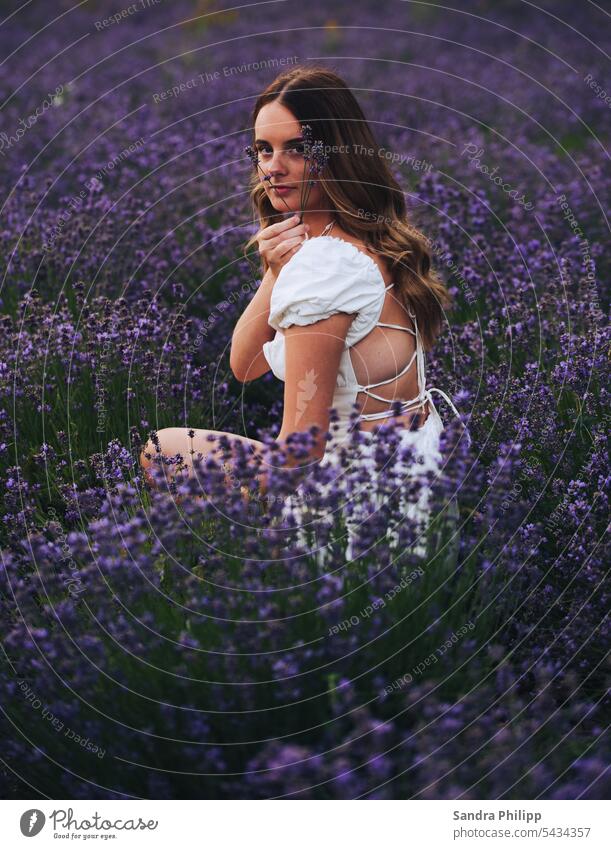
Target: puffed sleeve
{"x": 328, "y": 275}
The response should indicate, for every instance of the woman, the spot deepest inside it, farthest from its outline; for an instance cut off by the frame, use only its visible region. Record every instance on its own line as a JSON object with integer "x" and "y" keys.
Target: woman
{"x": 348, "y": 300}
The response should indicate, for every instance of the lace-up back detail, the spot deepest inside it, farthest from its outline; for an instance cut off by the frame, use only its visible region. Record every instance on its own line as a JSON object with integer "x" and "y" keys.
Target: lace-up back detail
{"x": 417, "y": 357}
{"x": 329, "y": 275}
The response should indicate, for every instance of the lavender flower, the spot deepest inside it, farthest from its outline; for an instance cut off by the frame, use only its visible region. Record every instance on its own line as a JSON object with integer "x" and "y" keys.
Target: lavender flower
{"x": 315, "y": 160}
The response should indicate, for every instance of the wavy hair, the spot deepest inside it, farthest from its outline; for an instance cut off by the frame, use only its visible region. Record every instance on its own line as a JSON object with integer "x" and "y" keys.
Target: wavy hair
{"x": 364, "y": 196}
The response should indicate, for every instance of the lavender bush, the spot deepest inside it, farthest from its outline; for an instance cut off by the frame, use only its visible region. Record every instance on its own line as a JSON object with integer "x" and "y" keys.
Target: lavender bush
{"x": 160, "y": 644}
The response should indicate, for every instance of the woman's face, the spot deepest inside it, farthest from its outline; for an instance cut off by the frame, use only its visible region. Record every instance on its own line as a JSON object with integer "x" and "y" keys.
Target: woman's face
{"x": 278, "y": 144}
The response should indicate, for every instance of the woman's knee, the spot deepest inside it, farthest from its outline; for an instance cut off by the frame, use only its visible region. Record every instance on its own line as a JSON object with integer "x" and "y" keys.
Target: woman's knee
{"x": 163, "y": 442}
{"x": 150, "y": 450}
{"x": 159, "y": 445}
{"x": 190, "y": 444}
{"x": 166, "y": 443}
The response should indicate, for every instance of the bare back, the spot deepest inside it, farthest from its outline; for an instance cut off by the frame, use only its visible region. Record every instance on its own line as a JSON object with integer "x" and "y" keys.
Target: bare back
{"x": 383, "y": 352}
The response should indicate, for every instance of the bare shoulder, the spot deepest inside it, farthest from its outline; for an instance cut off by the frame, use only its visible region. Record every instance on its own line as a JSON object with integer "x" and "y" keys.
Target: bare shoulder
{"x": 362, "y": 246}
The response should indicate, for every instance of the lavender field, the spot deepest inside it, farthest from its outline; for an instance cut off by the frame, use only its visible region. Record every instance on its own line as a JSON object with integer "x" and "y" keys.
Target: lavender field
{"x": 161, "y": 647}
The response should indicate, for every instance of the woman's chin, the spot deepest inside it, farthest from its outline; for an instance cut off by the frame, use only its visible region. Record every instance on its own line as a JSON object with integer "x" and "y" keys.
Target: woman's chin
{"x": 281, "y": 207}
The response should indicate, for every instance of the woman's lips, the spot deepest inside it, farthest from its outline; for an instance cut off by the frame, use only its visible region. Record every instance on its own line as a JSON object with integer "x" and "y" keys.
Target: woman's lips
{"x": 283, "y": 190}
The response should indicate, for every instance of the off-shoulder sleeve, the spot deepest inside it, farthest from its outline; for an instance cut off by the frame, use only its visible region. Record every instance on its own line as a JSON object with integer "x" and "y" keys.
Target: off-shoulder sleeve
{"x": 326, "y": 276}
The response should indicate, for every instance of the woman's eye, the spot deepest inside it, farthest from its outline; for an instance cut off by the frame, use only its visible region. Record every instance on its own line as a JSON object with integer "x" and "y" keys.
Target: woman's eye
{"x": 296, "y": 150}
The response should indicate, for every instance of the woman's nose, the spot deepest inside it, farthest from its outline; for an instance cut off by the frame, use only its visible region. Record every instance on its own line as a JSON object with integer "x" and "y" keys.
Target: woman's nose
{"x": 277, "y": 164}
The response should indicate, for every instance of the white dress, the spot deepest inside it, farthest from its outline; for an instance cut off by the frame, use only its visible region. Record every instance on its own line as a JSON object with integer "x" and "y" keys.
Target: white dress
{"x": 328, "y": 275}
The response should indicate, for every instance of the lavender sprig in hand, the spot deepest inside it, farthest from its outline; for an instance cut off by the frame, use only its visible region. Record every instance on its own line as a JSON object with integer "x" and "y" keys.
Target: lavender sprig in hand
{"x": 314, "y": 155}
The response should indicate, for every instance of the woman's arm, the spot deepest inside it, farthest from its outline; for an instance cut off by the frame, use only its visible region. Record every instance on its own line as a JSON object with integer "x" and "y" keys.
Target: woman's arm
{"x": 312, "y": 354}
{"x": 246, "y": 360}
{"x": 277, "y": 244}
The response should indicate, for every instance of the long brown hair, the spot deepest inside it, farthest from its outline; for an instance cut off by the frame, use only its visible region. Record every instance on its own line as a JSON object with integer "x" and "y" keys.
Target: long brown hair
{"x": 366, "y": 199}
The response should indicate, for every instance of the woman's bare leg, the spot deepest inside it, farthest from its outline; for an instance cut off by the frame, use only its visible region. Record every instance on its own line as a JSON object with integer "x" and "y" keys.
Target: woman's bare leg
{"x": 189, "y": 443}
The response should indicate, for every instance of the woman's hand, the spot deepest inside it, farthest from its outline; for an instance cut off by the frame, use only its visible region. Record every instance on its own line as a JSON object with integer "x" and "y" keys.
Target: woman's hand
{"x": 280, "y": 241}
